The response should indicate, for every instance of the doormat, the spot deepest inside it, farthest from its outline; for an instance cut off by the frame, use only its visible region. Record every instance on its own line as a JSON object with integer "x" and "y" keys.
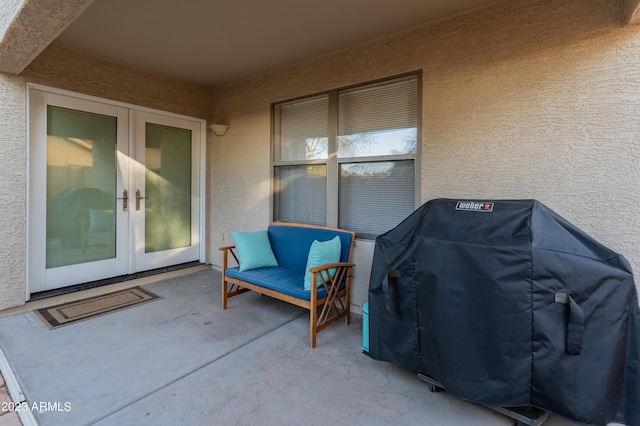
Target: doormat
{"x": 82, "y": 310}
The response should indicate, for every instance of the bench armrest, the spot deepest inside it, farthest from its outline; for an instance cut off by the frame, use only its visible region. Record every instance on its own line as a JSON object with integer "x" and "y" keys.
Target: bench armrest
{"x": 330, "y": 282}
{"x": 317, "y": 269}
{"x": 337, "y": 301}
{"x": 225, "y": 255}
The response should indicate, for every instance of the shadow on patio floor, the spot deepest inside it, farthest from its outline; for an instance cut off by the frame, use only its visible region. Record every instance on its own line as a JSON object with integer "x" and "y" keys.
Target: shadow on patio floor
{"x": 182, "y": 360}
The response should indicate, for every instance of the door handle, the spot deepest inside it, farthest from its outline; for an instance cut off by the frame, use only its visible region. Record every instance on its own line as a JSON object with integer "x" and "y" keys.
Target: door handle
{"x": 138, "y": 198}
{"x": 125, "y": 200}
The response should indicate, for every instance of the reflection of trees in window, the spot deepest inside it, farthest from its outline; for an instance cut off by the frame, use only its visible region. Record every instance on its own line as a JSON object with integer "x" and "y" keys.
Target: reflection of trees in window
{"x": 316, "y": 148}
{"x": 356, "y": 145}
{"x": 364, "y": 144}
{"x": 383, "y": 142}
{"x": 409, "y": 143}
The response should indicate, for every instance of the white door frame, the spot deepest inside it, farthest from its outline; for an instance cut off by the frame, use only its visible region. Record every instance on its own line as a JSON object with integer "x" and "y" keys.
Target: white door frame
{"x": 142, "y": 261}
{"x": 35, "y": 228}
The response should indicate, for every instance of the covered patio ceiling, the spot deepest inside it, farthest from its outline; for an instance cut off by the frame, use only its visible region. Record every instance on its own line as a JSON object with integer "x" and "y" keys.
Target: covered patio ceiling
{"x": 214, "y": 43}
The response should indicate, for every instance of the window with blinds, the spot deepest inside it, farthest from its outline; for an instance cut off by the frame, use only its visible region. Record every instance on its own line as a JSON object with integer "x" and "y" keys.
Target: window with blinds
{"x": 304, "y": 129}
{"x": 301, "y": 194}
{"x": 379, "y": 119}
{"x": 347, "y": 158}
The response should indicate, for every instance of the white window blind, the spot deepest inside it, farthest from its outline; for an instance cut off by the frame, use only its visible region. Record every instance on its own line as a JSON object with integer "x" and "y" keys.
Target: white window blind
{"x": 375, "y": 197}
{"x": 387, "y": 106}
{"x": 361, "y": 174}
{"x": 304, "y": 129}
{"x": 379, "y": 119}
{"x": 301, "y": 194}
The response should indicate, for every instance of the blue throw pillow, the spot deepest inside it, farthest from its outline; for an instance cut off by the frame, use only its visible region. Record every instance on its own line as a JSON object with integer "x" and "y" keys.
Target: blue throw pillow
{"x": 322, "y": 253}
{"x": 253, "y": 249}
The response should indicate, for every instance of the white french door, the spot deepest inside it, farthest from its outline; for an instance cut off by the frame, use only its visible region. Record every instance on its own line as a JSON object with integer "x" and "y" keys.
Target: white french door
{"x": 113, "y": 190}
{"x": 166, "y": 191}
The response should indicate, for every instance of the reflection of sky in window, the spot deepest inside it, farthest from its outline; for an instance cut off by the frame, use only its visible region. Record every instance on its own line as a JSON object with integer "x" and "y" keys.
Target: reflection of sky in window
{"x": 367, "y": 169}
{"x": 394, "y": 142}
{"x": 384, "y": 142}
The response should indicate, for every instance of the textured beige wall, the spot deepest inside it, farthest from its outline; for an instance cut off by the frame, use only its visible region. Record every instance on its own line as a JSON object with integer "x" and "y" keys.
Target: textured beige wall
{"x": 12, "y": 191}
{"x": 67, "y": 69}
{"x": 523, "y": 99}
{"x": 28, "y": 26}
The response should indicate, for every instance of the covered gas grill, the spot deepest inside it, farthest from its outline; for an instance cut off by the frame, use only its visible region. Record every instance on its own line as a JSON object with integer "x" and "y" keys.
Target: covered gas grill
{"x": 507, "y": 304}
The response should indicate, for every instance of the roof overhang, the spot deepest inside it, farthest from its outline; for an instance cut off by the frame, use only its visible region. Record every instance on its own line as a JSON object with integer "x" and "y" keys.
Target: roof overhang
{"x": 632, "y": 11}
{"x": 27, "y": 27}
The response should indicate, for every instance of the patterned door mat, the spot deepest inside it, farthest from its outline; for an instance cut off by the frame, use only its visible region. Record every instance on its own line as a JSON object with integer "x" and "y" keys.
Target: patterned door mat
{"x": 81, "y": 310}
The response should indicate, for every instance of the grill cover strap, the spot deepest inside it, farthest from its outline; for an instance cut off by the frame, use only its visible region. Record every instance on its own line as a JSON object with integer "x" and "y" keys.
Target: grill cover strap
{"x": 575, "y": 326}
{"x": 390, "y": 288}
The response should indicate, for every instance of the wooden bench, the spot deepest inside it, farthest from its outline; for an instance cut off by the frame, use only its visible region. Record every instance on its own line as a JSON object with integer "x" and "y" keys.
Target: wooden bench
{"x": 328, "y": 299}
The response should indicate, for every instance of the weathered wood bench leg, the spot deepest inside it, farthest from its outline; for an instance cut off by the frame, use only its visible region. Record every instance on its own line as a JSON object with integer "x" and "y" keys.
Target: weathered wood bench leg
{"x": 347, "y": 299}
{"x": 224, "y": 294}
{"x": 312, "y": 329}
{"x": 225, "y": 263}
{"x": 313, "y": 313}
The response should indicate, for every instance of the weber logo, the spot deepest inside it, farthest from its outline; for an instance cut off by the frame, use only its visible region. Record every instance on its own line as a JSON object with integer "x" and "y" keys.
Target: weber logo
{"x": 472, "y": 206}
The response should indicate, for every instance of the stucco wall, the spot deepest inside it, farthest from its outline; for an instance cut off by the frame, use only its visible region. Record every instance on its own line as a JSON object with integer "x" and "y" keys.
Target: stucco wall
{"x": 12, "y": 192}
{"x": 523, "y": 99}
{"x": 67, "y": 69}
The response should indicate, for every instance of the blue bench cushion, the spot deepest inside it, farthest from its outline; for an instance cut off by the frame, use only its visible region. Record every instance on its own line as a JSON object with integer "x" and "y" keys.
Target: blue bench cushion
{"x": 291, "y": 244}
{"x": 283, "y": 280}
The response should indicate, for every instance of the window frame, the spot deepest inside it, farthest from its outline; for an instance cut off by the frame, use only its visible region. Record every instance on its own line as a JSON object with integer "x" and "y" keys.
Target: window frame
{"x": 333, "y": 162}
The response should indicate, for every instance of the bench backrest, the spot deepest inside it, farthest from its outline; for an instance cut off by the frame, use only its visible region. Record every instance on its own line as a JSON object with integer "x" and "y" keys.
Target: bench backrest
{"x": 291, "y": 242}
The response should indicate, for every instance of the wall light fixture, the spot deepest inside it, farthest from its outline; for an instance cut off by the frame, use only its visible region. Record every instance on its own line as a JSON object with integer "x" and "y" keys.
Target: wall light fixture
{"x": 219, "y": 129}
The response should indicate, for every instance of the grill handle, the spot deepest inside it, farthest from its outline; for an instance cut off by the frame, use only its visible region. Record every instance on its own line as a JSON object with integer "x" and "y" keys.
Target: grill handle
{"x": 575, "y": 324}
{"x": 391, "y": 295}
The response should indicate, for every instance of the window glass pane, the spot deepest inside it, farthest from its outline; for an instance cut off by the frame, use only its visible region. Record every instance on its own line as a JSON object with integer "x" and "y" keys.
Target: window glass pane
{"x": 303, "y": 129}
{"x": 81, "y": 186}
{"x": 379, "y": 119}
{"x": 385, "y": 142}
{"x": 301, "y": 194}
{"x": 168, "y": 188}
{"x": 342, "y": 128}
{"x": 375, "y": 197}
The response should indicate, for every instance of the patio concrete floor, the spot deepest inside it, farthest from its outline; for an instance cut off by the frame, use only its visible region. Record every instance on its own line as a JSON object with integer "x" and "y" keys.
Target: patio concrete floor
{"x": 183, "y": 360}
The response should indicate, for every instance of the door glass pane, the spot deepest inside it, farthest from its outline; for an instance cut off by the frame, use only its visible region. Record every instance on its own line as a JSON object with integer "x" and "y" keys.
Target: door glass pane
{"x": 168, "y": 188}
{"x": 81, "y": 187}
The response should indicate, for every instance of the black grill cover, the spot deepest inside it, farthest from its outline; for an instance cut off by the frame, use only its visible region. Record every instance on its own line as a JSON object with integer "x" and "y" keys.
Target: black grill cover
{"x": 506, "y": 303}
